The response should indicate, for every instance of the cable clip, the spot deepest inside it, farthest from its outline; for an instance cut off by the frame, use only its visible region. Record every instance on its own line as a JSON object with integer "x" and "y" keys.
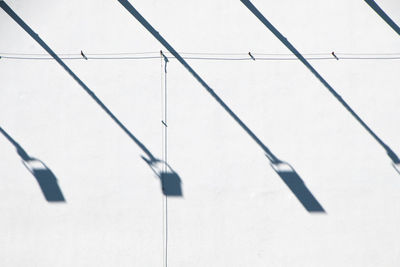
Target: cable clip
{"x": 83, "y": 55}
{"x": 164, "y": 56}
{"x": 251, "y": 56}
{"x": 333, "y": 54}
{"x": 165, "y": 60}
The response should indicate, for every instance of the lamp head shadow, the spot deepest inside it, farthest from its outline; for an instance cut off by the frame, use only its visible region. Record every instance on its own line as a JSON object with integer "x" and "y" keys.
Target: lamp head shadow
{"x": 297, "y": 186}
{"x": 44, "y": 176}
{"x": 171, "y": 184}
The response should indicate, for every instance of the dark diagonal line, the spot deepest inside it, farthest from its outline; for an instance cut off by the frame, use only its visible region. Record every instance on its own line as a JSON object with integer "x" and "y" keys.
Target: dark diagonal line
{"x": 36, "y": 37}
{"x": 383, "y": 15}
{"x": 261, "y": 17}
{"x": 290, "y": 177}
{"x": 147, "y": 25}
{"x": 21, "y": 152}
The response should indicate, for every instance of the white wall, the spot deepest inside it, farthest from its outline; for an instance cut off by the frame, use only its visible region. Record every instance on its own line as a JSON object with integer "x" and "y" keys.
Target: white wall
{"x": 236, "y": 210}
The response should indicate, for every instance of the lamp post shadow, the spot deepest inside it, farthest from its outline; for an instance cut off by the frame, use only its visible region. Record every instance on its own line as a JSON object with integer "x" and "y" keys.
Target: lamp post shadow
{"x": 295, "y": 184}
{"x": 383, "y": 15}
{"x": 150, "y": 157}
{"x": 391, "y": 154}
{"x": 44, "y": 176}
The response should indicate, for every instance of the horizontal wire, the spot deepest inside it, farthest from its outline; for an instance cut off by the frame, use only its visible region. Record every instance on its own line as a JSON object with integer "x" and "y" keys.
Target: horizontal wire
{"x": 200, "y": 53}
{"x": 77, "y": 54}
{"x": 74, "y": 58}
{"x": 202, "y": 58}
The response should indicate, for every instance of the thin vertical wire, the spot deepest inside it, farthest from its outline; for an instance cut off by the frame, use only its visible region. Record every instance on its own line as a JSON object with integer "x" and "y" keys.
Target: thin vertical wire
{"x": 165, "y": 162}
{"x": 164, "y": 156}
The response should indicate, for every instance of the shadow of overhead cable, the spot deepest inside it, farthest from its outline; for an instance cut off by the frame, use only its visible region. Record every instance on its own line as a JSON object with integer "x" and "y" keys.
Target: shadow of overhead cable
{"x": 395, "y": 159}
{"x": 383, "y": 15}
{"x": 151, "y": 160}
{"x": 287, "y": 173}
{"x": 44, "y": 176}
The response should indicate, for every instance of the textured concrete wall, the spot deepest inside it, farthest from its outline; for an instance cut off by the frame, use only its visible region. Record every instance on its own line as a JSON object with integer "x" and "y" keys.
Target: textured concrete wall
{"x": 236, "y": 210}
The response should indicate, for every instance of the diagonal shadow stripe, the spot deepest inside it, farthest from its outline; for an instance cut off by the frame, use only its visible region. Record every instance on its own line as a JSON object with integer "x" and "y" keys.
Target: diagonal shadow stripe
{"x": 395, "y": 159}
{"x": 152, "y": 161}
{"x": 383, "y": 15}
{"x": 298, "y": 188}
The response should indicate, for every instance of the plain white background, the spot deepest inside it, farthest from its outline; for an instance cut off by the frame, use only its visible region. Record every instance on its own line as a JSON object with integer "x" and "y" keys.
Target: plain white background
{"x": 236, "y": 211}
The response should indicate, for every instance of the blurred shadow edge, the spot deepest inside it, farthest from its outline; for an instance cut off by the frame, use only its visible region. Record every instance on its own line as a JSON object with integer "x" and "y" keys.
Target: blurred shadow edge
{"x": 171, "y": 184}
{"x": 44, "y": 176}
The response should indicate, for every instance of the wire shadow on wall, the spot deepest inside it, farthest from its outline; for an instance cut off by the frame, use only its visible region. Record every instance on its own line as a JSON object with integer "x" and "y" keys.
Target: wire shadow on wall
{"x": 151, "y": 160}
{"x": 395, "y": 159}
{"x": 285, "y": 171}
{"x": 44, "y": 176}
{"x": 383, "y": 15}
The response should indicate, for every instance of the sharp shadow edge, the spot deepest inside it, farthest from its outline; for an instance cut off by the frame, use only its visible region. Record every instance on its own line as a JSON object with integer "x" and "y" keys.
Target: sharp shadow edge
{"x": 383, "y": 15}
{"x": 392, "y": 155}
{"x": 298, "y": 188}
{"x": 151, "y": 158}
{"x": 44, "y": 176}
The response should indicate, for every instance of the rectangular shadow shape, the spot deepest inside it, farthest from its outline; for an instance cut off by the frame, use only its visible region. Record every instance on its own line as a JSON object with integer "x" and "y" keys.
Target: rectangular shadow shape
{"x": 171, "y": 184}
{"x": 300, "y": 190}
{"x": 49, "y": 185}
